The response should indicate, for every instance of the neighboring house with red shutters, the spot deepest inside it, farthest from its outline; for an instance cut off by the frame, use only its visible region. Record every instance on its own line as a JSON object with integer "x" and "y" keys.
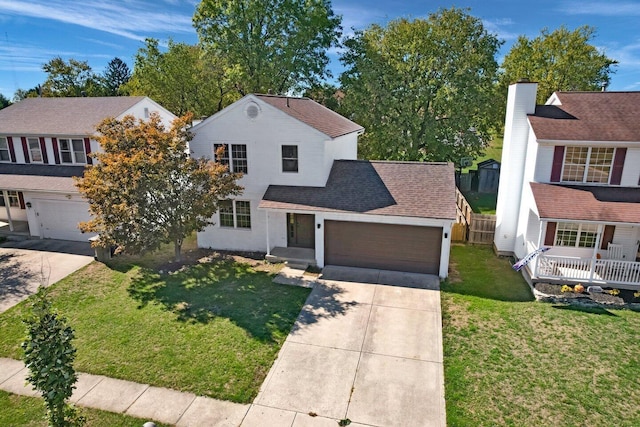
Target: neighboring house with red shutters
{"x": 308, "y": 200}
{"x": 44, "y": 142}
{"x": 570, "y": 181}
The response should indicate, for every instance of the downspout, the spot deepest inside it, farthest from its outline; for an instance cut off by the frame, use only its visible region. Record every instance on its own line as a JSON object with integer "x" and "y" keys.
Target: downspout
{"x": 5, "y": 196}
{"x": 594, "y": 256}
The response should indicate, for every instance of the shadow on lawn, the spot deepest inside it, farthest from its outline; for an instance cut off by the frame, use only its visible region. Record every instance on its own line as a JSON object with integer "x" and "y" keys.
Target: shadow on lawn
{"x": 15, "y": 278}
{"x": 589, "y": 310}
{"x": 204, "y": 292}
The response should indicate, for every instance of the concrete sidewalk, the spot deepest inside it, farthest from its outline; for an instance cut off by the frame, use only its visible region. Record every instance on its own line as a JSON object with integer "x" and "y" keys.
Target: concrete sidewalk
{"x": 138, "y": 400}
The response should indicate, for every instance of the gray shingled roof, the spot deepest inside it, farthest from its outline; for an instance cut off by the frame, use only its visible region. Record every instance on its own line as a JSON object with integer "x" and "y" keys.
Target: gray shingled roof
{"x": 589, "y": 116}
{"x": 62, "y": 116}
{"x": 29, "y": 177}
{"x": 587, "y": 203}
{"x": 313, "y": 114}
{"x": 409, "y": 189}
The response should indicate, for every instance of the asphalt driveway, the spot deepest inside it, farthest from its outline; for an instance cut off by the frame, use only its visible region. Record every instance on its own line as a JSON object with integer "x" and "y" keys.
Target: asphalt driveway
{"x": 25, "y": 264}
{"x": 367, "y": 346}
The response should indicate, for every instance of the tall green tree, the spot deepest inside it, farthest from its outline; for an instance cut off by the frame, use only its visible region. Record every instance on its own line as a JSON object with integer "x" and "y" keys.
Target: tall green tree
{"x": 278, "y": 45}
{"x": 115, "y": 76}
{"x": 49, "y": 355}
{"x": 146, "y": 190}
{"x": 423, "y": 89}
{"x": 558, "y": 60}
{"x": 70, "y": 78}
{"x": 183, "y": 78}
{"x": 4, "y": 101}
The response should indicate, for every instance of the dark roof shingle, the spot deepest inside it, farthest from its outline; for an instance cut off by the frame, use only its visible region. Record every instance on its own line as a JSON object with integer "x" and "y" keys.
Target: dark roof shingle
{"x": 62, "y": 116}
{"x": 30, "y": 177}
{"x": 589, "y": 116}
{"x": 587, "y": 203}
{"x": 313, "y": 114}
{"x": 410, "y": 189}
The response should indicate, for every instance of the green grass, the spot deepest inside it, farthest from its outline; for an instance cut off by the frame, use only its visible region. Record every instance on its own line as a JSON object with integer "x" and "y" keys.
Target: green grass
{"x": 211, "y": 329}
{"x": 482, "y": 203}
{"x": 493, "y": 151}
{"x": 511, "y": 361}
{"x": 23, "y": 411}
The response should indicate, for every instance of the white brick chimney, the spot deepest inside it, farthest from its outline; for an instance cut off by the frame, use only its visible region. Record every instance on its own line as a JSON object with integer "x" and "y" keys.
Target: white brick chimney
{"x": 520, "y": 102}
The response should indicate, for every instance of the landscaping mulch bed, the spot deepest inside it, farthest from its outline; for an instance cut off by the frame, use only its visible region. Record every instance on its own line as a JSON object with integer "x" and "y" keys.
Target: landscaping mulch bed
{"x": 550, "y": 292}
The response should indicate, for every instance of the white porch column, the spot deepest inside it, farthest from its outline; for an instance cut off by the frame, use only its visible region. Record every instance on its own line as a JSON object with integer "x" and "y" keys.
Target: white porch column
{"x": 267, "y": 228}
{"x": 543, "y": 226}
{"x": 594, "y": 256}
{"x": 5, "y": 196}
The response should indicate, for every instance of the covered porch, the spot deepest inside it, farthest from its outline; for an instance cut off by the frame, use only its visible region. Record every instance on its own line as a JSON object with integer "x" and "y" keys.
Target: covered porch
{"x": 592, "y": 234}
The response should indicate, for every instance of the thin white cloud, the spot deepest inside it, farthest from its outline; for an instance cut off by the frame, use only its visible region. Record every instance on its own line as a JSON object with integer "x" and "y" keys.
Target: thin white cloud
{"x": 135, "y": 19}
{"x": 600, "y": 8}
{"x": 31, "y": 58}
{"x": 499, "y": 28}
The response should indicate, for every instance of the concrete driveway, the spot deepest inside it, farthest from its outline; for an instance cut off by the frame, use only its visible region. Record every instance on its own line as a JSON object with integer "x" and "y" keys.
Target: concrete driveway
{"x": 367, "y": 346}
{"x": 25, "y": 264}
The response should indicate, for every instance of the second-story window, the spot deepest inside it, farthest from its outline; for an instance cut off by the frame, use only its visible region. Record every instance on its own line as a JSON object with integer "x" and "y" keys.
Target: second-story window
{"x": 72, "y": 151}
{"x": 34, "y": 150}
{"x": 289, "y": 158}
{"x": 5, "y": 155}
{"x": 587, "y": 164}
{"x": 234, "y": 155}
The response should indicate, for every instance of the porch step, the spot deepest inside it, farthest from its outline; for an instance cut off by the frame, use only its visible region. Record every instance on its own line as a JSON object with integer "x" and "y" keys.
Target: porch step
{"x": 298, "y": 258}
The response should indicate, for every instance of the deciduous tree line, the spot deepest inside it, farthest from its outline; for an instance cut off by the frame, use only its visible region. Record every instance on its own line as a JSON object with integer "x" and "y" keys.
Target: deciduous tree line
{"x": 424, "y": 89}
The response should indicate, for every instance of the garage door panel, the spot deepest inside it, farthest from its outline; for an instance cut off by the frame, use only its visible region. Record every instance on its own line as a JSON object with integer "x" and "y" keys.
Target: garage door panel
{"x": 59, "y": 219}
{"x": 384, "y": 246}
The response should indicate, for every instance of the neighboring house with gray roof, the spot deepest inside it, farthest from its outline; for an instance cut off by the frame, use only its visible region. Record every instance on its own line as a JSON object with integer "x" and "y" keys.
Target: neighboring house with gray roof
{"x": 570, "y": 182}
{"x": 44, "y": 142}
{"x": 307, "y": 199}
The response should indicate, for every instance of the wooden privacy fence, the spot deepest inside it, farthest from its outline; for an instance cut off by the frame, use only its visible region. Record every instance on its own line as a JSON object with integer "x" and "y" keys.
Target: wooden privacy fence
{"x": 472, "y": 227}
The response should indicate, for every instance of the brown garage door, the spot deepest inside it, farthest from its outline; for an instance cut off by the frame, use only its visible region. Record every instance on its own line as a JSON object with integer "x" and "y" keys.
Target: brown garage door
{"x": 384, "y": 246}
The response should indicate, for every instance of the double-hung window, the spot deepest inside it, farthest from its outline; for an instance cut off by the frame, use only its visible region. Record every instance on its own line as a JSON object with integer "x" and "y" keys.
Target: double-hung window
{"x": 588, "y": 164}
{"x": 5, "y": 155}
{"x": 576, "y": 235}
{"x": 14, "y": 199}
{"x": 234, "y": 155}
{"x": 72, "y": 151}
{"x": 235, "y": 214}
{"x": 35, "y": 153}
{"x": 289, "y": 158}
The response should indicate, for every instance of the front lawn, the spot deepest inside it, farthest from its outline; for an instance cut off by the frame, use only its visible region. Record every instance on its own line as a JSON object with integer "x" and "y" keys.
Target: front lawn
{"x": 26, "y": 411}
{"x": 212, "y": 329}
{"x": 515, "y": 362}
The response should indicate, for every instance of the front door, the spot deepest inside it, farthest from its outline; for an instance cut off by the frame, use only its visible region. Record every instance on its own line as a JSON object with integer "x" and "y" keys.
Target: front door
{"x": 300, "y": 231}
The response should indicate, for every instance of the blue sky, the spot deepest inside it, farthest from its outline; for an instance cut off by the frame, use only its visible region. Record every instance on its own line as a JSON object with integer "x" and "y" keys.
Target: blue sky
{"x": 34, "y": 31}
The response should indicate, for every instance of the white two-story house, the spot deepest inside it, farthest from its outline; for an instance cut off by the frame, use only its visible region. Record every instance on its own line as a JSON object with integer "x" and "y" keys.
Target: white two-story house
{"x": 307, "y": 197}
{"x": 570, "y": 182}
{"x": 44, "y": 142}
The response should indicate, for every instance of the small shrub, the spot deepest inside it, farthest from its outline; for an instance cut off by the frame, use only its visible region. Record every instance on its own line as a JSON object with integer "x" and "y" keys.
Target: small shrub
{"x": 579, "y": 288}
{"x": 636, "y": 295}
{"x": 566, "y": 288}
{"x": 614, "y": 292}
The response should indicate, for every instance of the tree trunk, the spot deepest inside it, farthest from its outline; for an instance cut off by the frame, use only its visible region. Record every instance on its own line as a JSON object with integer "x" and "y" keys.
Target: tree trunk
{"x": 177, "y": 250}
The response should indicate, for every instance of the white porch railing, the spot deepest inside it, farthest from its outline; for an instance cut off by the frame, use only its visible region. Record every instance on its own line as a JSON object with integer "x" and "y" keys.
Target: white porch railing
{"x": 587, "y": 270}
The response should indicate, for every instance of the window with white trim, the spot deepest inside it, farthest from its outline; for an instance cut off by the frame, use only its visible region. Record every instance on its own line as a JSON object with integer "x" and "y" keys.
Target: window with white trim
{"x": 5, "y": 155}
{"x": 72, "y": 151}
{"x": 587, "y": 164}
{"x": 235, "y": 156}
{"x": 235, "y": 213}
{"x": 578, "y": 235}
{"x": 289, "y": 158}
{"x": 35, "y": 153}
{"x": 14, "y": 199}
